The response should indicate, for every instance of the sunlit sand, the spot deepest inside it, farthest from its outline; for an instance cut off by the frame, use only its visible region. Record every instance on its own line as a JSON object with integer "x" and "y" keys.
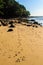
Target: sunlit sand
{"x": 22, "y": 46}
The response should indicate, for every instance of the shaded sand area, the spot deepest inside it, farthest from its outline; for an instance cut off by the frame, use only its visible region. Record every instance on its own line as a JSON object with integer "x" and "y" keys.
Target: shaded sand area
{"x": 23, "y": 46}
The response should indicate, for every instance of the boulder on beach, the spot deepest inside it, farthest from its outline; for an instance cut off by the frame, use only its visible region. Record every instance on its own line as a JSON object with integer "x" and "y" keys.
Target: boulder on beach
{"x": 11, "y": 22}
{"x": 35, "y": 25}
{"x": 11, "y": 26}
{"x": 4, "y": 23}
{"x": 9, "y": 30}
{"x": 19, "y": 21}
{"x": 32, "y": 20}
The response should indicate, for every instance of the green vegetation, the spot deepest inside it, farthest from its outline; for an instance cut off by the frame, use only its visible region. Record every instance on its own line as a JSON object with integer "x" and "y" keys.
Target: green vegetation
{"x": 11, "y": 9}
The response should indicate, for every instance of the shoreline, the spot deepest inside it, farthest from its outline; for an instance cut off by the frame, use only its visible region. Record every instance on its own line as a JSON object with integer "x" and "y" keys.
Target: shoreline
{"x": 19, "y": 20}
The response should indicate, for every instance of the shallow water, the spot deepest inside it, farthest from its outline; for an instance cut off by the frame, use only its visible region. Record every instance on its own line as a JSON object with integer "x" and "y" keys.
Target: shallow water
{"x": 39, "y": 19}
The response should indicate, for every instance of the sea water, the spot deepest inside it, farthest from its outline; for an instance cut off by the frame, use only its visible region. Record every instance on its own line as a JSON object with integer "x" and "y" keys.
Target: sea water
{"x": 38, "y": 19}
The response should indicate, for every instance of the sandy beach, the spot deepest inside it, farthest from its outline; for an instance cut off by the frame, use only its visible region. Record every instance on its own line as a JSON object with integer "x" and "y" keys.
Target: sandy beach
{"x": 22, "y": 46}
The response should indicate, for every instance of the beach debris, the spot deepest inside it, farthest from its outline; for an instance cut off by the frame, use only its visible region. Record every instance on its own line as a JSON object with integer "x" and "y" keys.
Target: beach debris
{"x": 9, "y": 30}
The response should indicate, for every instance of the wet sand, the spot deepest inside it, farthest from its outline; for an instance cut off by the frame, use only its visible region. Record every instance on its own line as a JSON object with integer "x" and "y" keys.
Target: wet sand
{"x": 23, "y": 46}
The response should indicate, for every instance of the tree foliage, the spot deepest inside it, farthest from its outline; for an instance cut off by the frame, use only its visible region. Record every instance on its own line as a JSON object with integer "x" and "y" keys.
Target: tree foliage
{"x": 11, "y": 8}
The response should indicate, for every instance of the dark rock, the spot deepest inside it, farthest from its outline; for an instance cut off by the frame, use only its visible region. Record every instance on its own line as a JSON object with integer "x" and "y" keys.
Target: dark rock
{"x": 11, "y": 22}
{"x": 4, "y": 24}
{"x": 12, "y": 26}
{"x": 36, "y": 26}
{"x": 36, "y": 23}
{"x": 19, "y": 21}
{"x": 9, "y": 30}
{"x": 32, "y": 20}
{"x": 0, "y": 24}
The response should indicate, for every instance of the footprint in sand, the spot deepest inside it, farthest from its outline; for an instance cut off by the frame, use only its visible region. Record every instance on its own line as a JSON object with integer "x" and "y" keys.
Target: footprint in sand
{"x": 20, "y": 59}
{"x": 23, "y": 58}
{"x": 15, "y": 54}
{"x": 18, "y": 52}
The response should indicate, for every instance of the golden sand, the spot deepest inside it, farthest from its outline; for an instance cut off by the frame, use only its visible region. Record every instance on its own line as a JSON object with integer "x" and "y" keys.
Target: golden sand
{"x": 23, "y": 46}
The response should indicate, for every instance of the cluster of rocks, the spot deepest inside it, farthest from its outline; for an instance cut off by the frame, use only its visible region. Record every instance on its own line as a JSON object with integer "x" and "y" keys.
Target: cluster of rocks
{"x": 32, "y": 23}
{"x": 6, "y": 22}
{"x": 11, "y": 23}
